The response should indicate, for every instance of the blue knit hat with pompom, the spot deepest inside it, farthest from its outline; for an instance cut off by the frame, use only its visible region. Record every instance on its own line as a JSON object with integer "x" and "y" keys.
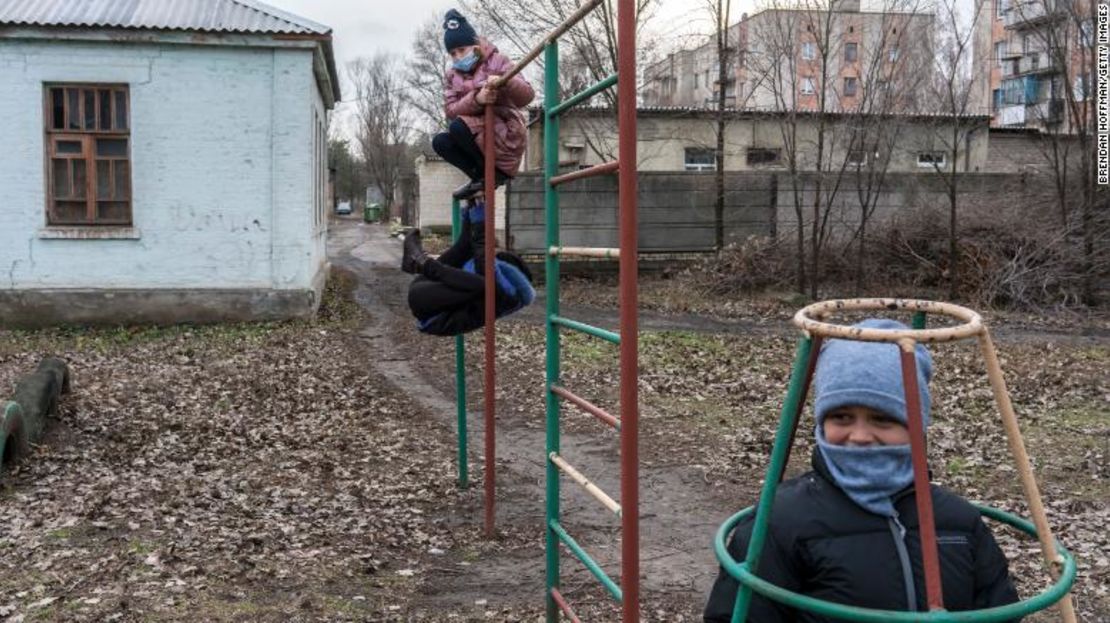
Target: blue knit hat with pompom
{"x": 457, "y": 32}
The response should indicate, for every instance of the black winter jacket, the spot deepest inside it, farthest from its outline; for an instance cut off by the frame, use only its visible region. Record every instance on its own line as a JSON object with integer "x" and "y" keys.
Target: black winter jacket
{"x": 823, "y": 545}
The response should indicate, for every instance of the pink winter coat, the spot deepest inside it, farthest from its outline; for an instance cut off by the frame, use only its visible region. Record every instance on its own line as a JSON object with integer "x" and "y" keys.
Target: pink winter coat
{"x": 460, "y": 94}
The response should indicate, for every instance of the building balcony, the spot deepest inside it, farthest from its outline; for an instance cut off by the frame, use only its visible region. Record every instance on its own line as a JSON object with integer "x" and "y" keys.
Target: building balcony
{"x": 1049, "y": 111}
{"x": 1012, "y": 115}
{"x": 1038, "y": 63}
{"x": 1032, "y": 63}
{"x": 1030, "y": 13}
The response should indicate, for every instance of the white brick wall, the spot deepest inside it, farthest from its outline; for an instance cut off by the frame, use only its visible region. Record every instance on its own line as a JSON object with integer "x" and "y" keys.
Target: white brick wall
{"x": 221, "y": 148}
{"x": 438, "y": 180}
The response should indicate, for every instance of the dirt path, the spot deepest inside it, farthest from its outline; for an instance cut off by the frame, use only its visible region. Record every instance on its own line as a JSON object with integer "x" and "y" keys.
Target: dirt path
{"x": 679, "y": 513}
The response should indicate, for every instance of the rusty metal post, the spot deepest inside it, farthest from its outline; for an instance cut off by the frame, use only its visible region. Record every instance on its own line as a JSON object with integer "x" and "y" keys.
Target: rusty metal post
{"x": 629, "y": 358}
{"x": 489, "y": 479}
{"x": 922, "y": 491}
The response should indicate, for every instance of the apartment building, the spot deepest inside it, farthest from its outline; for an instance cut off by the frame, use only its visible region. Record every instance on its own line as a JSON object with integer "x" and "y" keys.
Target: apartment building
{"x": 1037, "y": 54}
{"x": 787, "y": 57}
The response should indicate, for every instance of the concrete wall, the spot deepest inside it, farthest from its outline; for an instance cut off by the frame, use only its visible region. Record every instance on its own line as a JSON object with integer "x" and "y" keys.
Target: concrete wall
{"x": 437, "y": 180}
{"x": 1030, "y": 152}
{"x": 677, "y": 209}
{"x": 222, "y": 174}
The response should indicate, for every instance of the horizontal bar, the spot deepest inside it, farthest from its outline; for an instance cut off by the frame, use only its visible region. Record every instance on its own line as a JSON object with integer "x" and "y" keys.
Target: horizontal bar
{"x": 586, "y": 406}
{"x": 590, "y": 487}
{"x": 603, "y": 252}
{"x": 560, "y": 601}
{"x": 551, "y": 37}
{"x": 577, "y": 99}
{"x": 585, "y": 559}
{"x": 598, "y": 169}
{"x": 608, "y": 336}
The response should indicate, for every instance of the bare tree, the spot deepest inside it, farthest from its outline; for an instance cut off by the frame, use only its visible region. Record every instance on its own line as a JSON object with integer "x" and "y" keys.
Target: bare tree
{"x": 382, "y": 125}
{"x": 725, "y": 76}
{"x": 956, "y": 81}
{"x": 1064, "y": 39}
{"x": 424, "y": 76}
{"x": 893, "y": 69}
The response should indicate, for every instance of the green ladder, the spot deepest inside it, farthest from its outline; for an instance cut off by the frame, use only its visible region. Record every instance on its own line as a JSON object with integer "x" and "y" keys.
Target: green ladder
{"x": 627, "y": 510}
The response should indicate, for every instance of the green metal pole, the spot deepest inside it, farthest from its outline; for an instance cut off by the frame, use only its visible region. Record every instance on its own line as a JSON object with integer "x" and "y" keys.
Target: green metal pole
{"x": 551, "y": 281}
{"x": 460, "y": 369}
{"x": 919, "y": 320}
{"x": 779, "y": 454}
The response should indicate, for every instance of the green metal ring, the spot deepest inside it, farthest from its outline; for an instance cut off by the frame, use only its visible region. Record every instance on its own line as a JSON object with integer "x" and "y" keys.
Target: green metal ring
{"x": 1042, "y": 601}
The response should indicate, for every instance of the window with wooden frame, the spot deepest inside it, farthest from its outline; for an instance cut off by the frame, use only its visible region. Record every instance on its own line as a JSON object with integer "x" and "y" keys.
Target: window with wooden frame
{"x": 88, "y": 154}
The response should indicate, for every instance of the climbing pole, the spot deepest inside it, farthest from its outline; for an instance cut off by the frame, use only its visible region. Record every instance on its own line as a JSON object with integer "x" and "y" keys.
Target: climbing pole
{"x": 460, "y": 370}
{"x": 627, "y": 421}
{"x": 1059, "y": 563}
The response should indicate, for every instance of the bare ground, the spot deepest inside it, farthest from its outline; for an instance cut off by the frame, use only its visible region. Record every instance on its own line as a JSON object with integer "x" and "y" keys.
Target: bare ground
{"x": 305, "y": 471}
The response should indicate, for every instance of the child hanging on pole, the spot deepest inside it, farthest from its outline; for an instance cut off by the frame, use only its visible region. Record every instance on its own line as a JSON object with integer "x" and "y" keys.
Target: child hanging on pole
{"x": 474, "y": 62}
{"x": 448, "y": 295}
{"x": 847, "y": 532}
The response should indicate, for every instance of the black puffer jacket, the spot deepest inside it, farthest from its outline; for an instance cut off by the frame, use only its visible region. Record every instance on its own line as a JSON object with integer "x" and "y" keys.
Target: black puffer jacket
{"x": 823, "y": 545}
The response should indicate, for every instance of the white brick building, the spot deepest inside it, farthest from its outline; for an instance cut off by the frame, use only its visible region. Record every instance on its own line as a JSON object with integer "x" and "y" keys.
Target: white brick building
{"x": 163, "y": 166}
{"x": 437, "y": 179}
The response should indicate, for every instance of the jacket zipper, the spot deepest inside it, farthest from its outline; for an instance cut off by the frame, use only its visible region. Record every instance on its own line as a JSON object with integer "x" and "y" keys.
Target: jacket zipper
{"x": 898, "y": 531}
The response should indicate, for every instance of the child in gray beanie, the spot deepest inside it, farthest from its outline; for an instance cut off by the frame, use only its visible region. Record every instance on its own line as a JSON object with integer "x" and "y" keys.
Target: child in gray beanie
{"x": 847, "y": 532}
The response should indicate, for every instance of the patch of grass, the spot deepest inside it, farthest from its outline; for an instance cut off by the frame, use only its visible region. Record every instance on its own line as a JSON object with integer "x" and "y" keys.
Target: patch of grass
{"x": 1080, "y": 416}
{"x": 583, "y": 351}
{"x": 140, "y": 548}
{"x": 60, "y": 534}
{"x": 671, "y": 347}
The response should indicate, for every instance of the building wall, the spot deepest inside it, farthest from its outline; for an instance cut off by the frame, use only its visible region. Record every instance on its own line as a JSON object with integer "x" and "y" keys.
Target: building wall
{"x": 665, "y": 137}
{"x": 222, "y": 169}
{"x": 1007, "y": 28}
{"x": 775, "y": 66}
{"x": 437, "y": 180}
{"x": 769, "y": 43}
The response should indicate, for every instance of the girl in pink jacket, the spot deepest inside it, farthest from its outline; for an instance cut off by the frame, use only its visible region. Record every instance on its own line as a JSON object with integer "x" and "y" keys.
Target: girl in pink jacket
{"x": 476, "y": 61}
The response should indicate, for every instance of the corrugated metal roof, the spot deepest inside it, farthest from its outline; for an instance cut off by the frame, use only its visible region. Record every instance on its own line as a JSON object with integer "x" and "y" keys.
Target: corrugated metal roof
{"x": 238, "y": 16}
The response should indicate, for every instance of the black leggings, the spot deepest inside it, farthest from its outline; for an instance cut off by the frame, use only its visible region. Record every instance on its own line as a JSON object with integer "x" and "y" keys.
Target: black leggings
{"x": 459, "y": 147}
{"x": 443, "y": 285}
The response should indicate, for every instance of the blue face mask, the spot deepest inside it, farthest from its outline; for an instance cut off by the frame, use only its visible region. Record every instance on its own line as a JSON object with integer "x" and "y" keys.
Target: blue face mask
{"x": 467, "y": 63}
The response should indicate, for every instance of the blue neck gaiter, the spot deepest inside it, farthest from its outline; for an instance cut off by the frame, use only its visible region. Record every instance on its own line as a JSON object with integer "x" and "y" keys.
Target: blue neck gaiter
{"x": 869, "y": 475}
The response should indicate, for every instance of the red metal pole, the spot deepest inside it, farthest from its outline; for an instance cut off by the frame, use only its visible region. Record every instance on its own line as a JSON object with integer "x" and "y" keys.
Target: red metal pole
{"x": 922, "y": 491}
{"x": 629, "y": 367}
{"x": 490, "y": 153}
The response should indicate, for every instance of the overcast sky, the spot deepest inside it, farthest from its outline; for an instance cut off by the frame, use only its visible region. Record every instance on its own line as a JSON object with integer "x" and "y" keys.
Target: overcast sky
{"x": 366, "y": 27}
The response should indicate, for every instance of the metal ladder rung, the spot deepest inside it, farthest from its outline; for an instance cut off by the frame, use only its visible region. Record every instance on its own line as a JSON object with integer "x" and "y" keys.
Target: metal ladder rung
{"x": 603, "y": 252}
{"x": 598, "y": 169}
{"x": 586, "y": 406}
{"x": 590, "y": 487}
{"x": 591, "y": 564}
{"x": 608, "y": 336}
{"x": 561, "y": 601}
